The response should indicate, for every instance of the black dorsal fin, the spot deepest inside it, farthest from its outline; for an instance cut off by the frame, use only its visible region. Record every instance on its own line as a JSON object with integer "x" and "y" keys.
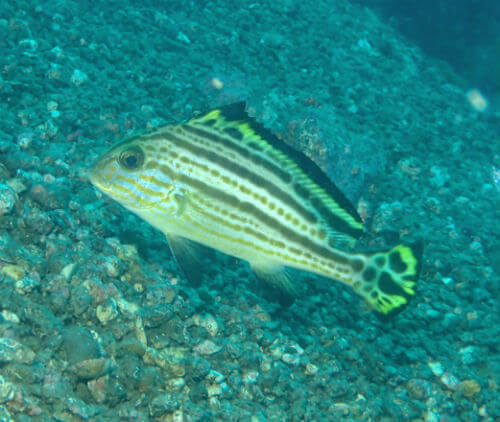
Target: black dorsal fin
{"x": 340, "y": 219}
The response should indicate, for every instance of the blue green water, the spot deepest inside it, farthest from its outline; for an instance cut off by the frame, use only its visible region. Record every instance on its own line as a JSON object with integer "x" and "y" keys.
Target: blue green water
{"x": 398, "y": 105}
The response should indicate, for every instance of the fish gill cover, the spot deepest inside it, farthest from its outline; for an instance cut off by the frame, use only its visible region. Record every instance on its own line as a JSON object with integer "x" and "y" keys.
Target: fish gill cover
{"x": 97, "y": 320}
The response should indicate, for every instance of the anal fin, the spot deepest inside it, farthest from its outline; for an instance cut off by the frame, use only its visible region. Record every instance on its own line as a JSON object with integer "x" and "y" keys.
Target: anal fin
{"x": 191, "y": 257}
{"x": 283, "y": 287}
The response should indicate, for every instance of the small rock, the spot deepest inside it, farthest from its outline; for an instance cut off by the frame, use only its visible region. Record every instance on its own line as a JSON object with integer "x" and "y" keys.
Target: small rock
{"x": 470, "y": 354}
{"x": 79, "y": 344}
{"x": 107, "y": 311}
{"x": 26, "y": 285}
{"x": 78, "y": 77}
{"x": 215, "y": 377}
{"x": 198, "y": 368}
{"x": 171, "y": 359}
{"x": 419, "y": 389}
{"x": 176, "y": 384}
{"x": 311, "y": 369}
{"x": 214, "y": 390}
{"x": 208, "y": 322}
{"x": 470, "y": 387}
{"x": 10, "y": 316}
{"x": 92, "y": 368}
{"x": 79, "y": 408}
{"x": 67, "y": 271}
{"x": 250, "y": 377}
{"x": 436, "y": 368}
{"x": 178, "y": 416}
{"x": 126, "y": 307}
{"x": 28, "y": 44}
{"x": 132, "y": 345}
{"x": 5, "y": 415}
{"x": 163, "y": 404}
{"x": 207, "y": 347}
{"x": 290, "y": 359}
{"x": 140, "y": 331}
{"x": 15, "y": 272}
{"x": 450, "y": 381}
{"x": 7, "y": 390}
{"x": 97, "y": 388}
{"x": 13, "y": 351}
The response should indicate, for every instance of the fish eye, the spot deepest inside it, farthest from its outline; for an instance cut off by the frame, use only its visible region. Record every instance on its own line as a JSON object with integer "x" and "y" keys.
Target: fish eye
{"x": 132, "y": 158}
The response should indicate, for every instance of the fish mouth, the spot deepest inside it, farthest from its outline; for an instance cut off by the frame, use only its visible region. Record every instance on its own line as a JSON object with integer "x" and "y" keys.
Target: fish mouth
{"x": 96, "y": 172}
{"x": 97, "y": 180}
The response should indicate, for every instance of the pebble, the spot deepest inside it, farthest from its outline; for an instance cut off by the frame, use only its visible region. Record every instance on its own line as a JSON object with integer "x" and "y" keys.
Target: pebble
{"x": 78, "y": 77}
{"x": 79, "y": 344}
{"x": 198, "y": 368}
{"x": 13, "y": 351}
{"x": 5, "y": 416}
{"x": 7, "y": 390}
{"x": 470, "y": 354}
{"x": 126, "y": 307}
{"x": 214, "y": 390}
{"x": 208, "y": 322}
{"x": 250, "y": 377}
{"x": 132, "y": 345}
{"x": 80, "y": 408}
{"x": 436, "y": 368}
{"x": 92, "y": 368}
{"x": 207, "y": 347}
{"x": 26, "y": 285}
{"x": 469, "y": 387}
{"x": 29, "y": 44}
{"x": 450, "y": 381}
{"x": 311, "y": 369}
{"x": 24, "y": 141}
{"x": 15, "y": 272}
{"x": 8, "y": 198}
{"x": 290, "y": 359}
{"x": 10, "y": 316}
{"x": 176, "y": 384}
{"x": 172, "y": 359}
{"x": 67, "y": 271}
{"x": 178, "y": 416}
{"x": 107, "y": 311}
{"x": 215, "y": 377}
{"x": 163, "y": 404}
{"x": 419, "y": 389}
{"x": 97, "y": 388}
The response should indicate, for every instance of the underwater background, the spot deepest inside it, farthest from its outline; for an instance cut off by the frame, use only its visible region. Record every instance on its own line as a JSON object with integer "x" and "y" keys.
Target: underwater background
{"x": 397, "y": 101}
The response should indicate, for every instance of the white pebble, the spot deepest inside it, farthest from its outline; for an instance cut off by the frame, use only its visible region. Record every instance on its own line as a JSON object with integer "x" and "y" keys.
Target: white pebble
{"x": 78, "y": 77}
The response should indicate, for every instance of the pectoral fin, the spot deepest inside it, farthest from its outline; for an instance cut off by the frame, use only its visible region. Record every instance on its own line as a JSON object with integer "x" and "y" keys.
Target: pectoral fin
{"x": 191, "y": 257}
{"x": 279, "y": 280}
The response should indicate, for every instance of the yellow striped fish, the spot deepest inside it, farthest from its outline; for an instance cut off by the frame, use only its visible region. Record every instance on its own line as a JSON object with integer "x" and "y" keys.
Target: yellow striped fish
{"x": 224, "y": 181}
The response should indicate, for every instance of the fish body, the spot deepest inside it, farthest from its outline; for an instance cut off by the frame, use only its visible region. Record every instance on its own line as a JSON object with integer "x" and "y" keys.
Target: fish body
{"x": 224, "y": 181}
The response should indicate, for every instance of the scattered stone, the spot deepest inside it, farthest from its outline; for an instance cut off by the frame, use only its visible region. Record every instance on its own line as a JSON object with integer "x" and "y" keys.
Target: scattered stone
{"x": 79, "y": 344}
{"x": 92, "y": 368}
{"x": 419, "y": 389}
{"x": 13, "y": 351}
{"x": 163, "y": 404}
{"x": 207, "y": 347}
{"x": 107, "y": 311}
{"x": 469, "y": 388}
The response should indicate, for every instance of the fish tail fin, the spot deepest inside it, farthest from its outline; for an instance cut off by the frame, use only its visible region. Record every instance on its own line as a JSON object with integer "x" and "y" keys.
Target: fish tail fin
{"x": 387, "y": 280}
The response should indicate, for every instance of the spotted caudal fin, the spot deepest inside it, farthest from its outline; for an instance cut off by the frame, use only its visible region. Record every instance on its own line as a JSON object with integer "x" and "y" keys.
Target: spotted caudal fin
{"x": 388, "y": 280}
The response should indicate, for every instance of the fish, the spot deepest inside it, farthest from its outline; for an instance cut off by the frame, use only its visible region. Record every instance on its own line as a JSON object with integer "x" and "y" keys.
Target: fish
{"x": 221, "y": 180}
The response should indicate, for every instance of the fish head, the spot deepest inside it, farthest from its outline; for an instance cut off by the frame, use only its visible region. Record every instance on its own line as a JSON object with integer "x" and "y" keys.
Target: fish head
{"x": 130, "y": 174}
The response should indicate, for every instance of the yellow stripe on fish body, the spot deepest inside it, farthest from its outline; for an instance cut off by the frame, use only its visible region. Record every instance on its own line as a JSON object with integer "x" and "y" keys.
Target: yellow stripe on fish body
{"x": 226, "y": 182}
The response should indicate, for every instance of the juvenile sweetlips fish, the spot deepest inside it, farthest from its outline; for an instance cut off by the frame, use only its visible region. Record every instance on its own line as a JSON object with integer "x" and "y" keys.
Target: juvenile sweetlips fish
{"x": 224, "y": 181}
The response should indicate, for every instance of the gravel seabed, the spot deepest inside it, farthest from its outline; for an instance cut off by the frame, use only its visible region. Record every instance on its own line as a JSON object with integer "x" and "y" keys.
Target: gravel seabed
{"x": 97, "y": 322}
